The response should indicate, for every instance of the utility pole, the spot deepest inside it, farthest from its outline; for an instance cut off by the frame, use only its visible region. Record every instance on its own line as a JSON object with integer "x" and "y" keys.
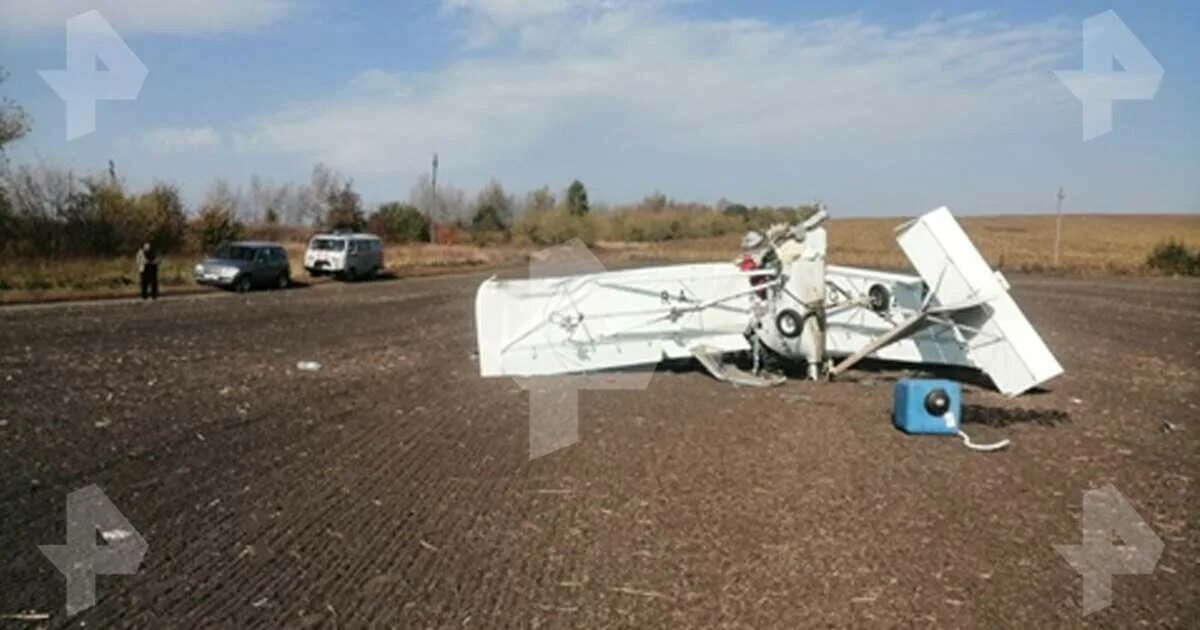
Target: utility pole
{"x": 1058, "y": 225}
{"x": 431, "y": 213}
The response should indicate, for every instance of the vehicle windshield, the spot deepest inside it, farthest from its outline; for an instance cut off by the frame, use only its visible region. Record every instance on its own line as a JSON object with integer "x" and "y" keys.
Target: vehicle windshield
{"x": 328, "y": 244}
{"x": 236, "y": 252}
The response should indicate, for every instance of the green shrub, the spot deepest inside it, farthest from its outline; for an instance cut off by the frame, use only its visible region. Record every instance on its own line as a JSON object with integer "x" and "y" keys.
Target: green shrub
{"x": 399, "y": 223}
{"x": 648, "y": 225}
{"x": 577, "y": 198}
{"x": 552, "y": 227}
{"x": 737, "y": 210}
{"x": 1174, "y": 258}
{"x": 492, "y": 220}
{"x": 216, "y": 225}
{"x": 159, "y": 219}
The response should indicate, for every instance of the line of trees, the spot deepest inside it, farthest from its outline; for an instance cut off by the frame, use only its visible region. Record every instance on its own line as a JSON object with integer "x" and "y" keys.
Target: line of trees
{"x": 654, "y": 219}
{"x": 50, "y": 212}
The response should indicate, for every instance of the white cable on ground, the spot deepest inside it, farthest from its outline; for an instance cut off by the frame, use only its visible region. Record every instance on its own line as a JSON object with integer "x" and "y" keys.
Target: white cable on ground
{"x": 986, "y": 448}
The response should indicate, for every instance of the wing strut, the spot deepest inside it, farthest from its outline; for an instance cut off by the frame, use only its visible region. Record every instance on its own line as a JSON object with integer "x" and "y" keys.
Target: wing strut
{"x": 906, "y": 328}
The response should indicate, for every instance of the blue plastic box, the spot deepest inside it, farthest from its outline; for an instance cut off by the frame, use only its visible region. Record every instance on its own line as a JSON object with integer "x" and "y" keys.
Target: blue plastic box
{"x": 927, "y": 406}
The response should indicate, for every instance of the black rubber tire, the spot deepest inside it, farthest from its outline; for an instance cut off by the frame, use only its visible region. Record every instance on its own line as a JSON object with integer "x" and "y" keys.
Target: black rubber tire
{"x": 242, "y": 284}
{"x": 789, "y": 323}
{"x": 284, "y": 281}
{"x": 881, "y": 298}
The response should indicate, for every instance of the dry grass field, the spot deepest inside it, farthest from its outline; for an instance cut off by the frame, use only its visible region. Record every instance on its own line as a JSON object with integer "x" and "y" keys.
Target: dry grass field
{"x": 1092, "y": 245}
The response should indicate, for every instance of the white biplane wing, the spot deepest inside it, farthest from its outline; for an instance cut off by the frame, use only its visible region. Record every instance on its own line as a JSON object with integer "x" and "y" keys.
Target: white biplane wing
{"x": 541, "y": 326}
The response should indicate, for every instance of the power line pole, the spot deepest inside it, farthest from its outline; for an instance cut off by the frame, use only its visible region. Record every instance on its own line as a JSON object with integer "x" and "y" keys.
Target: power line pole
{"x": 433, "y": 202}
{"x": 1058, "y": 225}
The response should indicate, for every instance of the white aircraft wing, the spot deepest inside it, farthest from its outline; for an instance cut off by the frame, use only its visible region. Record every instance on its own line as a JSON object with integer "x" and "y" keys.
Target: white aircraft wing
{"x": 541, "y": 326}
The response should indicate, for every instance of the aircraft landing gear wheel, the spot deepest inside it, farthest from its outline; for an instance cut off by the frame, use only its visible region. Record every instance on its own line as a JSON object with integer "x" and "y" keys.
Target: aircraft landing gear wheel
{"x": 880, "y": 297}
{"x": 789, "y": 323}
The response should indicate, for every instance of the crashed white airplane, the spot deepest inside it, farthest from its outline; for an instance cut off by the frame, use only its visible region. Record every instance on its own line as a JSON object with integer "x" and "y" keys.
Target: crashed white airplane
{"x": 781, "y": 297}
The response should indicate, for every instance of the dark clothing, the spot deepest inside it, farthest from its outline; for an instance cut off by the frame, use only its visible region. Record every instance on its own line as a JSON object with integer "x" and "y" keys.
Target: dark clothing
{"x": 150, "y": 280}
{"x": 147, "y": 265}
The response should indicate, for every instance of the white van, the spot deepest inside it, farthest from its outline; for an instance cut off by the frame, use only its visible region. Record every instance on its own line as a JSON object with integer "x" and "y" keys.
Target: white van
{"x": 346, "y": 256}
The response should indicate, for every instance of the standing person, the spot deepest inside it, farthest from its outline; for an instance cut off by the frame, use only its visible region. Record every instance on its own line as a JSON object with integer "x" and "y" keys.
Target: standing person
{"x": 147, "y": 262}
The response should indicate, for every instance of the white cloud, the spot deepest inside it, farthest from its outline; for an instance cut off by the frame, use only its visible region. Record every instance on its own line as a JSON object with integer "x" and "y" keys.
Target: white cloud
{"x": 488, "y": 20}
{"x": 514, "y": 11}
{"x": 155, "y": 16}
{"x": 632, "y": 75}
{"x": 181, "y": 139}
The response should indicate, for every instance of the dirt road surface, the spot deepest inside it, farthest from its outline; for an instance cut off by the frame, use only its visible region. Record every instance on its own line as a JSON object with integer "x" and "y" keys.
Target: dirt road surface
{"x": 392, "y": 488}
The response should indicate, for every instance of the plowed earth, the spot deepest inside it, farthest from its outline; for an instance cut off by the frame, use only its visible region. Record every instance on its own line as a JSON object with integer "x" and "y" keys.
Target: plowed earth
{"x": 393, "y": 488}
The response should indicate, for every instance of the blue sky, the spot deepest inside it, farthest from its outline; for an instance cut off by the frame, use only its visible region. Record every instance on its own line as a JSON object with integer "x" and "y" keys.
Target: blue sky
{"x": 888, "y": 110}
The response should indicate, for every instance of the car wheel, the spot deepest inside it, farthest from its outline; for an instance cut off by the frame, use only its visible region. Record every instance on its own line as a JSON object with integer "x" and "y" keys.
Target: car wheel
{"x": 352, "y": 275}
{"x": 284, "y": 281}
{"x": 242, "y": 285}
